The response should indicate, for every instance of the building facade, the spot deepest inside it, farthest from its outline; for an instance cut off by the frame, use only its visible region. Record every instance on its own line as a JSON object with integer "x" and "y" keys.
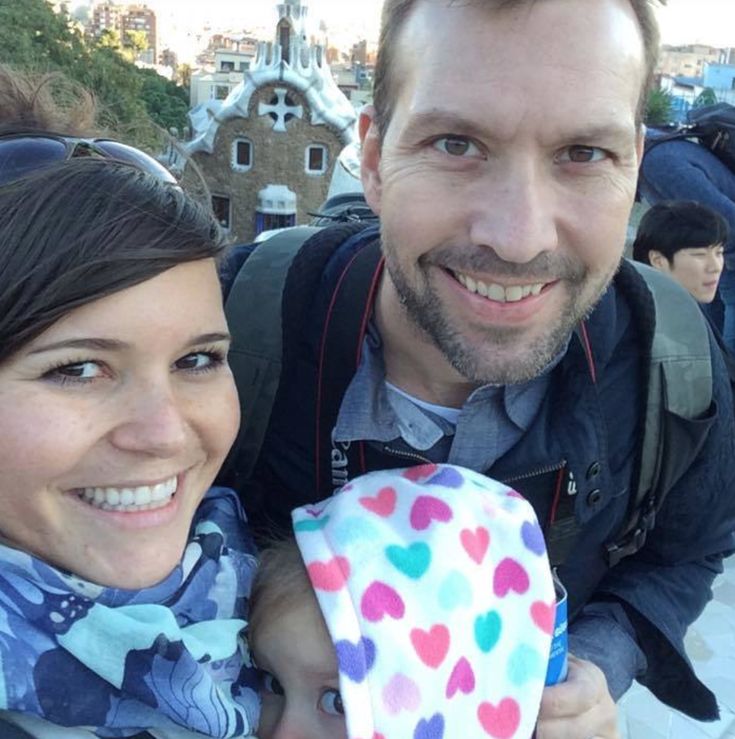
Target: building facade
{"x": 268, "y": 150}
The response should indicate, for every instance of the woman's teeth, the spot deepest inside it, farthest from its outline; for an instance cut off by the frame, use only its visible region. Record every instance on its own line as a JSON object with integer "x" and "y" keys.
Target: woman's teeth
{"x": 143, "y": 498}
{"x": 498, "y": 293}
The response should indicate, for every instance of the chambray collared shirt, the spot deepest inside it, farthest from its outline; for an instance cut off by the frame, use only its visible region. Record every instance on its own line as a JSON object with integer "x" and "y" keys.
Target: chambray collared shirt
{"x": 490, "y": 422}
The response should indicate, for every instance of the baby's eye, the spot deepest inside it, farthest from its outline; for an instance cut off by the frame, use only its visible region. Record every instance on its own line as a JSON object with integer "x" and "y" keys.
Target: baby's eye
{"x": 270, "y": 684}
{"x": 457, "y": 146}
{"x": 330, "y": 701}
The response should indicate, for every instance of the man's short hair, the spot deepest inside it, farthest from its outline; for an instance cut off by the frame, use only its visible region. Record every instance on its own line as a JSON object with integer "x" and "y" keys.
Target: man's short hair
{"x": 672, "y": 225}
{"x": 395, "y": 15}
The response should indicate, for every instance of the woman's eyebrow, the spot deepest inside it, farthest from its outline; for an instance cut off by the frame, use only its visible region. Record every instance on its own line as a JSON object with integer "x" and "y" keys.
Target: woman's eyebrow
{"x": 100, "y": 344}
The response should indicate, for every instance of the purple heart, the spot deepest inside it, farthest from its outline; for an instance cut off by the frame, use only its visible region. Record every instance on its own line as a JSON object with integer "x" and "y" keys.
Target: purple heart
{"x": 431, "y": 729}
{"x": 533, "y": 537}
{"x": 355, "y": 660}
{"x": 447, "y": 476}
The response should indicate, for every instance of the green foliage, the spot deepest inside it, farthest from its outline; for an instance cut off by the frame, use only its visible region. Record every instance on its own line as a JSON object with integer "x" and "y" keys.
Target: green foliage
{"x": 659, "y": 108}
{"x": 706, "y": 97}
{"x": 133, "y": 101}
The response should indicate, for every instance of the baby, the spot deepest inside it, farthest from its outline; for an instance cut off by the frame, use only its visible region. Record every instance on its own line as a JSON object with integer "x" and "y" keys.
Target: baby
{"x": 414, "y": 603}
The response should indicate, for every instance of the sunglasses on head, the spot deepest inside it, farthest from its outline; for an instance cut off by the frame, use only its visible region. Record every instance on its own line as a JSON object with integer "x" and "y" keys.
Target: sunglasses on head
{"x": 23, "y": 153}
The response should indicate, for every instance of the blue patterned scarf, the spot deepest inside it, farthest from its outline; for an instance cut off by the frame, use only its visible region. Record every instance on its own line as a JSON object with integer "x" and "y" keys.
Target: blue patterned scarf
{"x": 124, "y": 661}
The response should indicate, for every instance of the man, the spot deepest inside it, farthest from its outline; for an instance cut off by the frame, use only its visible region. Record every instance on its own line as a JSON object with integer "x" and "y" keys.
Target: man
{"x": 501, "y": 157}
{"x": 686, "y": 241}
{"x": 680, "y": 169}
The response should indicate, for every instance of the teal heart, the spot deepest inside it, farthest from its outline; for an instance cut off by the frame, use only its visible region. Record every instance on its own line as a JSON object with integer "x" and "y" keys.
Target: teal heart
{"x": 355, "y": 530}
{"x": 487, "y": 630}
{"x": 310, "y": 524}
{"x": 524, "y": 664}
{"x": 455, "y": 592}
{"x": 412, "y": 561}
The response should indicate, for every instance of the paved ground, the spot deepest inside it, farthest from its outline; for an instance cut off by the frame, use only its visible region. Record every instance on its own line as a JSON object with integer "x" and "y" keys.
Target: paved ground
{"x": 711, "y": 645}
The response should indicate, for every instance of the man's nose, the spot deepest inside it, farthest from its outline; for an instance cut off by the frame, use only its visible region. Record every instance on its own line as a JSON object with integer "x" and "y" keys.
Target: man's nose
{"x": 513, "y": 212}
{"x": 153, "y": 421}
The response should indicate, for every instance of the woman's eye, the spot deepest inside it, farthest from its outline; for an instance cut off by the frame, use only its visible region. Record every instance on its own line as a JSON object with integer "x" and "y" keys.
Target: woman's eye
{"x": 270, "y": 684}
{"x": 200, "y": 361}
{"x": 330, "y": 701}
{"x": 583, "y": 154}
{"x": 457, "y": 146}
{"x": 74, "y": 372}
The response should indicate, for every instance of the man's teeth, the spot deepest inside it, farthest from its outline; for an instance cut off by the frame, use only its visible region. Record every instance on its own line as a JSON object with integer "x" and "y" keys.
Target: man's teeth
{"x": 143, "y": 498}
{"x": 498, "y": 293}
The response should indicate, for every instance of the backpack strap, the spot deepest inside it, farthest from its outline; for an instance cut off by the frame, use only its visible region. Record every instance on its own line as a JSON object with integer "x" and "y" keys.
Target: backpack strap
{"x": 263, "y": 324}
{"x": 679, "y": 384}
{"x": 340, "y": 353}
{"x": 253, "y": 311}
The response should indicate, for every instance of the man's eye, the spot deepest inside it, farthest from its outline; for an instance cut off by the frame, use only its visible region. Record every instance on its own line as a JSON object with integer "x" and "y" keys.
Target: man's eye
{"x": 330, "y": 701}
{"x": 583, "y": 154}
{"x": 457, "y": 146}
{"x": 270, "y": 684}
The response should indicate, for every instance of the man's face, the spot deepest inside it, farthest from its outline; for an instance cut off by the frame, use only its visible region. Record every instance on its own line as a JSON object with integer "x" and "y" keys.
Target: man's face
{"x": 506, "y": 175}
{"x": 696, "y": 269}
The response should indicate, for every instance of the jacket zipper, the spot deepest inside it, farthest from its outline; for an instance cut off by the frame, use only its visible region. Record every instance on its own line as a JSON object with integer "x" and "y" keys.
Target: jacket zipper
{"x": 407, "y": 455}
{"x": 514, "y": 478}
{"x": 541, "y": 471}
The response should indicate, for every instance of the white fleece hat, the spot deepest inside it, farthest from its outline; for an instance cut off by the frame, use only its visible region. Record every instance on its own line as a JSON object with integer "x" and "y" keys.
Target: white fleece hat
{"x": 437, "y": 593}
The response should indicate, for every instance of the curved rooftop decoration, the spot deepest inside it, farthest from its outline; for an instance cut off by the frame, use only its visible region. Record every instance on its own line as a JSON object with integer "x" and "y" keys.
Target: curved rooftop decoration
{"x": 306, "y": 71}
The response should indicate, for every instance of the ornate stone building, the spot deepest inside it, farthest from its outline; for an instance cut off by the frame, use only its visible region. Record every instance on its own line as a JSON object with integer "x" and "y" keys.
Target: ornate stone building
{"x": 268, "y": 150}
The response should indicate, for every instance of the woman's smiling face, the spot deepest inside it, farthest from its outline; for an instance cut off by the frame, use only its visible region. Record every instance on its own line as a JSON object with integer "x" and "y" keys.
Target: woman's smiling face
{"x": 115, "y": 421}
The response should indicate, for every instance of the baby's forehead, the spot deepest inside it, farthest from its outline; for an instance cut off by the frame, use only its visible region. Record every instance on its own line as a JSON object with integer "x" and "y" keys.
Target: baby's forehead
{"x": 298, "y": 637}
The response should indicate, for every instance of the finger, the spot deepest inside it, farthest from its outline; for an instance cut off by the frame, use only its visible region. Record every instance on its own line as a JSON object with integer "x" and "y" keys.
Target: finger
{"x": 584, "y": 687}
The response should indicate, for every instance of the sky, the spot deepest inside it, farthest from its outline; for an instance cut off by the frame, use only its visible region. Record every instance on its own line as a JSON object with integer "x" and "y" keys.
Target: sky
{"x": 682, "y": 21}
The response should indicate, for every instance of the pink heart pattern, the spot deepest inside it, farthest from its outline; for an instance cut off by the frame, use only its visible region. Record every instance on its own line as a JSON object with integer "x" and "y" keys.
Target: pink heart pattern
{"x": 383, "y": 504}
{"x": 381, "y": 600}
{"x": 500, "y": 721}
{"x": 426, "y": 509}
{"x": 432, "y": 645}
{"x": 462, "y": 679}
{"x": 415, "y": 646}
{"x": 510, "y": 576}
{"x": 331, "y": 575}
{"x": 475, "y": 543}
{"x": 543, "y": 615}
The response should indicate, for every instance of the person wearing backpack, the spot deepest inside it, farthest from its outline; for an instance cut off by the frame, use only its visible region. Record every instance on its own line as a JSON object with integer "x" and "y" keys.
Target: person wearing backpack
{"x": 676, "y": 168}
{"x": 490, "y": 321}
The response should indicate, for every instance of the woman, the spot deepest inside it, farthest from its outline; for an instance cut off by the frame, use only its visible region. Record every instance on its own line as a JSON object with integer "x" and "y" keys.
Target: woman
{"x": 123, "y": 575}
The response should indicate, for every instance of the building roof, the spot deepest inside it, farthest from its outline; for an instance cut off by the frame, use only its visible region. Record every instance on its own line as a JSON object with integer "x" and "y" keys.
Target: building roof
{"x": 308, "y": 73}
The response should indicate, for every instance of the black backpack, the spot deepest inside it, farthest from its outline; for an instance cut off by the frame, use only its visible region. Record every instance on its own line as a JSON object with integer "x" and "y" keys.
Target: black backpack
{"x": 713, "y": 126}
{"x": 680, "y": 371}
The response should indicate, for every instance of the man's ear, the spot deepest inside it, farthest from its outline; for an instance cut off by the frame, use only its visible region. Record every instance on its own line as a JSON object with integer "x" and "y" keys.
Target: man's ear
{"x": 640, "y": 143}
{"x": 370, "y": 164}
{"x": 658, "y": 261}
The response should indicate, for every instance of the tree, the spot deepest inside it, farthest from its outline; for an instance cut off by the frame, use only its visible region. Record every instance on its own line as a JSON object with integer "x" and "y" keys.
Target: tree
{"x": 659, "y": 108}
{"x": 133, "y": 102}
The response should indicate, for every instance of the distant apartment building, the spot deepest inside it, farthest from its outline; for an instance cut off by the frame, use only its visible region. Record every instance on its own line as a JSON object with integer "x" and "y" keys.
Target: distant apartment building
{"x": 142, "y": 19}
{"x": 689, "y": 61}
{"x": 217, "y": 81}
{"x": 109, "y": 16}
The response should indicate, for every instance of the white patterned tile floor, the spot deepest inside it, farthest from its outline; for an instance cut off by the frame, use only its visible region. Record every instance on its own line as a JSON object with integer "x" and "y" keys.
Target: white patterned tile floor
{"x": 711, "y": 645}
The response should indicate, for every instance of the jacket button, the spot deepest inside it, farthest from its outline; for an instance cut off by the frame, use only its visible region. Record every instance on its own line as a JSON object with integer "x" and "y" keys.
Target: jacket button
{"x": 594, "y": 470}
{"x": 594, "y": 497}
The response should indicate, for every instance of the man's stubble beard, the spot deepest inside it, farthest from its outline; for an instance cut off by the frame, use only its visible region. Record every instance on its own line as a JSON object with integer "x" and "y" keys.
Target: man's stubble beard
{"x": 503, "y": 361}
